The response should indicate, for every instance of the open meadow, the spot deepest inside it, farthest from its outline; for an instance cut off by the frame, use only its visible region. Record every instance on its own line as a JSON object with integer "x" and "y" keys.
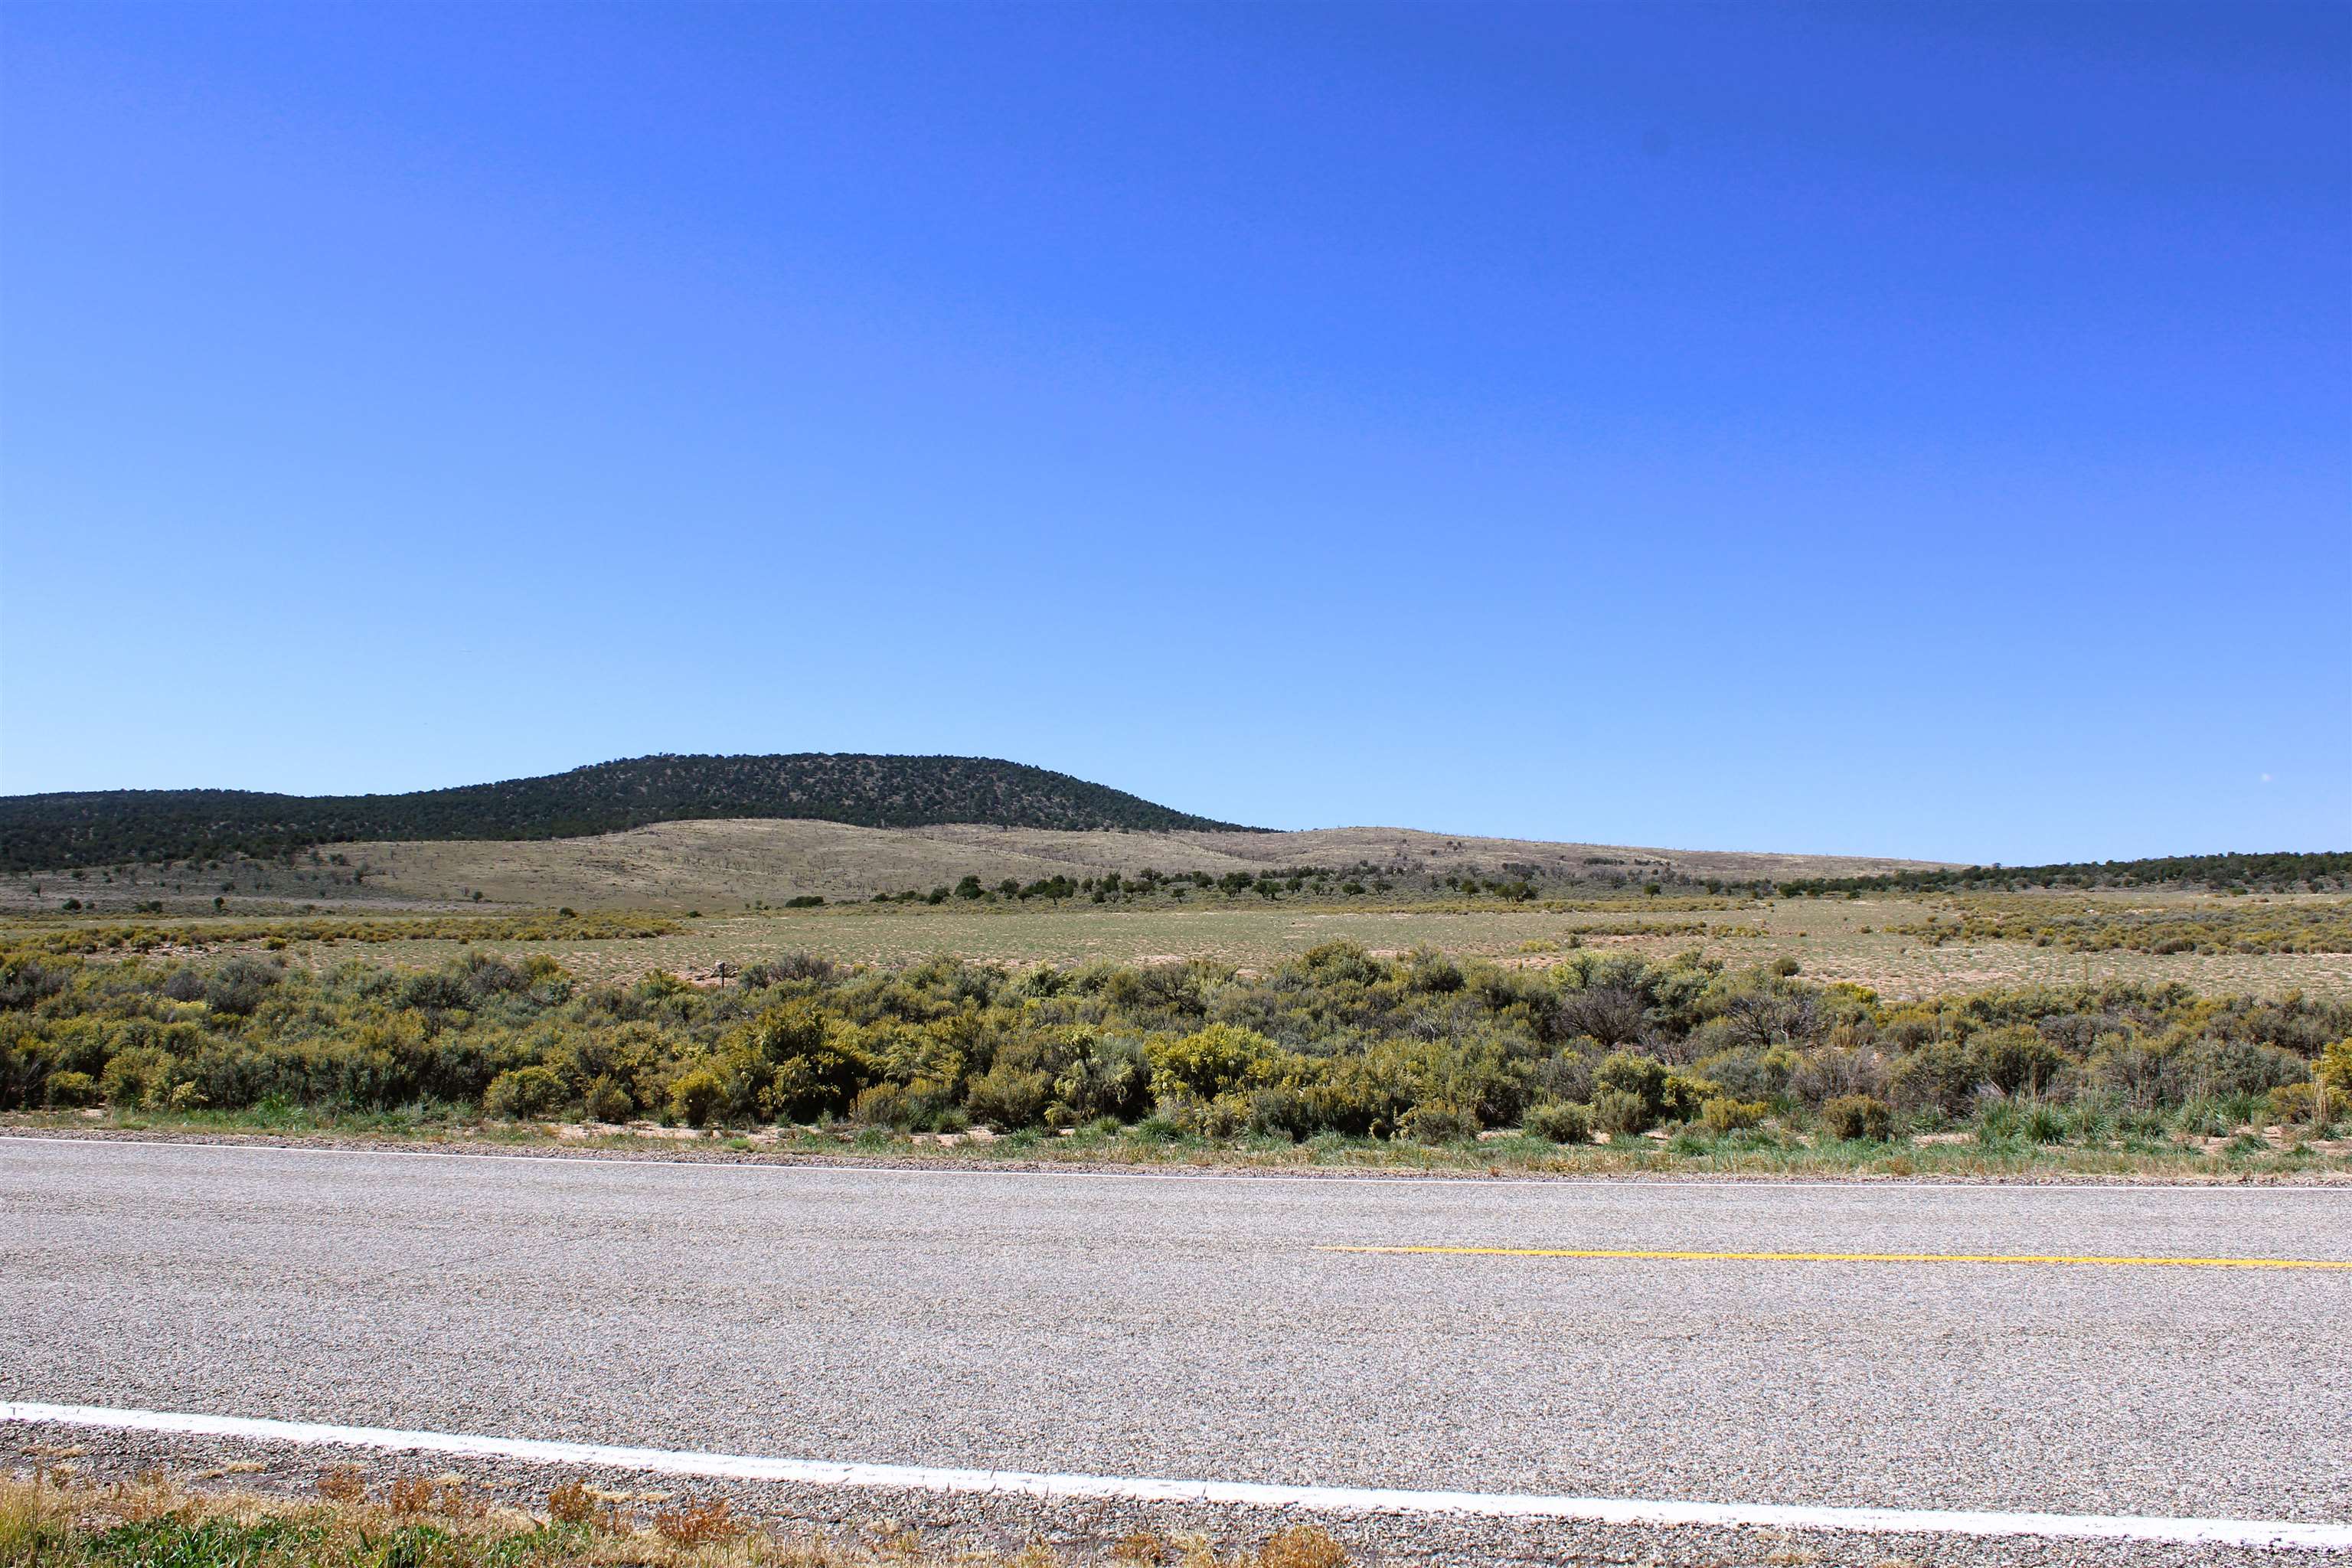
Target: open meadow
{"x": 694, "y": 896}
{"x": 747, "y": 863}
{"x": 1881, "y": 941}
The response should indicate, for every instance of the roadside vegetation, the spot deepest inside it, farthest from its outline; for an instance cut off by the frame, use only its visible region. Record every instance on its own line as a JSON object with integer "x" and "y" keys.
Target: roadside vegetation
{"x": 52, "y": 1519}
{"x": 1338, "y": 1056}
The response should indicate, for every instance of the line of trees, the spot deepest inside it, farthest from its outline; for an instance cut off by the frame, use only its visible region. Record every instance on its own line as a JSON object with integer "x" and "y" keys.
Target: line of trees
{"x": 105, "y": 827}
{"x": 1116, "y": 887}
{"x": 2230, "y": 873}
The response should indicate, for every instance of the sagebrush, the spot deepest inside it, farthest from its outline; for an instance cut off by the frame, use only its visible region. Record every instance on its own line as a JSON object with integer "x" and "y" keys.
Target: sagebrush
{"x": 1338, "y": 1041}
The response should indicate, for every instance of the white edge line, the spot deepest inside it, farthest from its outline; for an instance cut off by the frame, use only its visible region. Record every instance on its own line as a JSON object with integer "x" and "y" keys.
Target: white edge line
{"x": 1455, "y": 1177}
{"x": 2252, "y": 1533}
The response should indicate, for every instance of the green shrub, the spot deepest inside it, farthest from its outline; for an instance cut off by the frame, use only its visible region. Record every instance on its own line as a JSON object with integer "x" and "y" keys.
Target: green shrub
{"x": 238, "y": 986}
{"x": 1685, "y": 1097}
{"x": 1362, "y": 1095}
{"x": 1723, "y": 1114}
{"x": 1663, "y": 1096}
{"x": 524, "y": 1092}
{"x": 1622, "y": 1113}
{"x": 2335, "y": 1068}
{"x": 72, "y": 1090}
{"x": 1941, "y": 1075}
{"x": 1098, "y": 1077}
{"x": 1643, "y": 1078}
{"x": 1560, "y": 1121}
{"x": 1747, "y": 1074}
{"x": 1217, "y": 1060}
{"x": 1437, "y": 1122}
{"x": 1858, "y": 1118}
{"x": 2292, "y": 1102}
{"x": 881, "y": 1105}
{"x": 696, "y": 1097}
{"x": 798, "y": 1066}
{"x": 140, "y": 1076}
{"x": 1009, "y": 1096}
{"x": 1283, "y": 1111}
{"x": 2017, "y": 1060}
{"x": 1220, "y": 1117}
{"x": 606, "y": 1101}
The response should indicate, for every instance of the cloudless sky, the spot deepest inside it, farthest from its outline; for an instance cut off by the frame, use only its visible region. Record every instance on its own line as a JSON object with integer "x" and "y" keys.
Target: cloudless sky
{"x": 1915, "y": 429}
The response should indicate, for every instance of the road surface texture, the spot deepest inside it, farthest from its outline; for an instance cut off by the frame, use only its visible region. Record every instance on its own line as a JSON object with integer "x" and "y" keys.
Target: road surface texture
{"x": 1201, "y": 1328}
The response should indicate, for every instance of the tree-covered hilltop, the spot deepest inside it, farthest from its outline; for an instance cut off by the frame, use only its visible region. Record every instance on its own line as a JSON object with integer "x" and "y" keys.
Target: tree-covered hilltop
{"x": 109, "y": 827}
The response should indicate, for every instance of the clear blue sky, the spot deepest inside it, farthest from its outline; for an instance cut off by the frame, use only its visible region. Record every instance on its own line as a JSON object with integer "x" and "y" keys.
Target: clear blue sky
{"x": 1914, "y": 429}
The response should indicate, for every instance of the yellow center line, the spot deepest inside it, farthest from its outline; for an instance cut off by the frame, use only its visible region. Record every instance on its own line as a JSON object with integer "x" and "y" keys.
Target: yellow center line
{"x": 1644, "y": 1255}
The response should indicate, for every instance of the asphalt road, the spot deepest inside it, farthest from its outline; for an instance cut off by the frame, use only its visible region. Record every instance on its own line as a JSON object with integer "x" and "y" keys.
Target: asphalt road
{"x": 1183, "y": 1327}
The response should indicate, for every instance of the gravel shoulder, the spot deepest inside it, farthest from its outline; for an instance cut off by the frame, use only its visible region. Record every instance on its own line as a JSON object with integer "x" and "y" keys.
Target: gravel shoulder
{"x": 1591, "y": 1164}
{"x": 1093, "y": 1532}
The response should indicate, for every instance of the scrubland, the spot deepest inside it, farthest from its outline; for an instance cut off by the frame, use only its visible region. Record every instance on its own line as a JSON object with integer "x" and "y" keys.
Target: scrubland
{"x": 1648, "y": 1034}
{"x": 1899, "y": 946}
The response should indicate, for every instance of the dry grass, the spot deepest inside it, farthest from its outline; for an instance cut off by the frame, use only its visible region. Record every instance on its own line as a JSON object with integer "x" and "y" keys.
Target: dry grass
{"x": 53, "y": 1520}
{"x": 726, "y": 865}
{"x": 1874, "y": 940}
{"x": 2159, "y": 923}
{"x": 1830, "y": 939}
{"x": 1856, "y": 940}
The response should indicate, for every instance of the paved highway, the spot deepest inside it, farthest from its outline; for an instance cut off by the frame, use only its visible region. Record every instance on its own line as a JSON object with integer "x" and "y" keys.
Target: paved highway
{"x": 1201, "y": 1328}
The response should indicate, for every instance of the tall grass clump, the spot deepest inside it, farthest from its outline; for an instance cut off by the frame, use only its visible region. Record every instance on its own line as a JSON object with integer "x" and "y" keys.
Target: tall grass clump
{"x": 48, "y": 1523}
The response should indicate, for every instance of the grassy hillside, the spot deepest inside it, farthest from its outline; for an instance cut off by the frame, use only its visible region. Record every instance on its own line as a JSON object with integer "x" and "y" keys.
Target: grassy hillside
{"x": 719, "y": 865}
{"x": 728, "y": 863}
{"x": 114, "y": 827}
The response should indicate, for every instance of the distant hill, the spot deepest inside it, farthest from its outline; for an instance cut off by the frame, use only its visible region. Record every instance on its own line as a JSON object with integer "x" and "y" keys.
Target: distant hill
{"x": 110, "y": 827}
{"x": 718, "y": 864}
